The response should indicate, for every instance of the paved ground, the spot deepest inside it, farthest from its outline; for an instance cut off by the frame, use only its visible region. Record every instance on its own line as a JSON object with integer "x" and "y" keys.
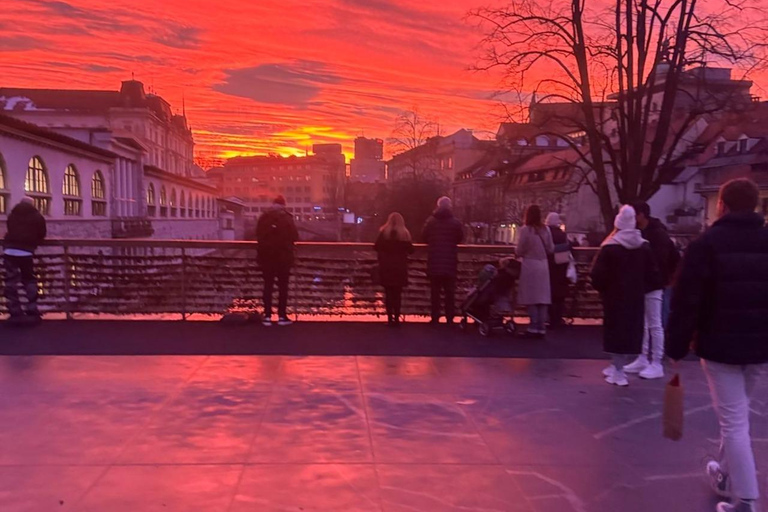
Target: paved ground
{"x": 347, "y": 433}
{"x": 92, "y": 337}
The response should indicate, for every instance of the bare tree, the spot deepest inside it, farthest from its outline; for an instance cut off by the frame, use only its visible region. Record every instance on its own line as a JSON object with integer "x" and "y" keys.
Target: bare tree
{"x": 630, "y": 71}
{"x": 410, "y": 141}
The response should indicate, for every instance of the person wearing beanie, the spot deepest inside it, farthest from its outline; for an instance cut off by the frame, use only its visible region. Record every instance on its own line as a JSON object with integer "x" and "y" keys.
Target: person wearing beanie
{"x": 443, "y": 233}
{"x": 276, "y": 233}
{"x": 558, "y": 271}
{"x": 624, "y": 270}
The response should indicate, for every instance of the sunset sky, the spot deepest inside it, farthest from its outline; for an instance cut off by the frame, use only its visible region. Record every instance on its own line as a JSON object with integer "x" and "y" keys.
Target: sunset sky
{"x": 262, "y": 76}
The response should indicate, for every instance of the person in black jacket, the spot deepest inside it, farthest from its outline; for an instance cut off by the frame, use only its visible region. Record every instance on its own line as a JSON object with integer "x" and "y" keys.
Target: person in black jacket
{"x": 720, "y": 304}
{"x": 276, "y": 233}
{"x": 442, "y": 234}
{"x": 623, "y": 272}
{"x": 650, "y": 362}
{"x": 26, "y": 230}
{"x": 393, "y": 246}
{"x": 558, "y": 279}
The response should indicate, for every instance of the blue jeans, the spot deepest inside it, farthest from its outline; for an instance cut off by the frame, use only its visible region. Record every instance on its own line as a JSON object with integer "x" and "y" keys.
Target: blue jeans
{"x": 538, "y": 314}
{"x": 666, "y": 303}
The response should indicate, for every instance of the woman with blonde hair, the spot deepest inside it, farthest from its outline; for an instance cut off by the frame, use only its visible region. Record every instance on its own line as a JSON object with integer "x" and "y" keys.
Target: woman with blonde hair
{"x": 393, "y": 247}
{"x": 533, "y": 246}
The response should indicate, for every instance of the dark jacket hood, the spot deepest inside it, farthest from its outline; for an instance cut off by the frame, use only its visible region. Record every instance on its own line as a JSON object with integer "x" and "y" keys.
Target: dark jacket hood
{"x": 442, "y": 213}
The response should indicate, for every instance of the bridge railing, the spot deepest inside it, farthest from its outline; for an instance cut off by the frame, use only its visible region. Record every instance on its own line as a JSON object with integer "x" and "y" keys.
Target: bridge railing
{"x": 131, "y": 277}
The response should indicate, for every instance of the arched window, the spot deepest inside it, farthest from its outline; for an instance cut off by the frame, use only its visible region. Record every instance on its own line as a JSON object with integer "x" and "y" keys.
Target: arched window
{"x": 174, "y": 204}
{"x": 151, "y": 205}
{"x": 73, "y": 203}
{"x": 163, "y": 202}
{"x": 4, "y": 194}
{"x": 99, "y": 195}
{"x": 182, "y": 205}
{"x": 36, "y": 185}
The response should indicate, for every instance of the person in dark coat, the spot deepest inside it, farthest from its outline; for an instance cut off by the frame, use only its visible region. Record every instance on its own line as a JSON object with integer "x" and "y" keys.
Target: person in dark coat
{"x": 442, "y": 234}
{"x": 276, "y": 233}
{"x": 720, "y": 304}
{"x": 650, "y": 363}
{"x": 558, "y": 280}
{"x": 26, "y": 229}
{"x": 393, "y": 246}
{"x": 623, "y": 272}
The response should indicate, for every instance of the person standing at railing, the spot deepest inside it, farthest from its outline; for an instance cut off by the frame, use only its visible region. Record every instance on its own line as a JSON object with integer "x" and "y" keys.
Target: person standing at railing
{"x": 558, "y": 269}
{"x": 393, "y": 246}
{"x": 720, "y": 305}
{"x": 26, "y": 230}
{"x": 443, "y": 233}
{"x": 533, "y": 246}
{"x": 276, "y": 233}
{"x": 623, "y": 272}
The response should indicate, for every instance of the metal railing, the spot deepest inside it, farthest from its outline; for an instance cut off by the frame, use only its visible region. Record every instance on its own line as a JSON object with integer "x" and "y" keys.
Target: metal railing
{"x": 129, "y": 277}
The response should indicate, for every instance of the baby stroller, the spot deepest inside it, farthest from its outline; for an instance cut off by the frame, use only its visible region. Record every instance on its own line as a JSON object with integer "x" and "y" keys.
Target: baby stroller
{"x": 490, "y": 303}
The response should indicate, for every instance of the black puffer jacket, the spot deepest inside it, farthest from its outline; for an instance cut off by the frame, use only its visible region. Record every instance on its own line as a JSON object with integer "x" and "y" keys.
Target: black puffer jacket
{"x": 26, "y": 228}
{"x": 667, "y": 257}
{"x": 276, "y": 233}
{"x": 443, "y": 233}
{"x": 720, "y": 300}
{"x": 393, "y": 260}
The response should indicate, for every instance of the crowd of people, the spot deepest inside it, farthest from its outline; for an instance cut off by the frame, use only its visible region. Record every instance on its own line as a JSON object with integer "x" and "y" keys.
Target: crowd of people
{"x": 714, "y": 299}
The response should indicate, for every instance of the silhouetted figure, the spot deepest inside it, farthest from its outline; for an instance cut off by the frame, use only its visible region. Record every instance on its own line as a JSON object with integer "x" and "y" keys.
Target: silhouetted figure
{"x": 393, "y": 246}
{"x": 720, "y": 305}
{"x": 276, "y": 233}
{"x": 558, "y": 279}
{"x": 443, "y": 233}
{"x": 26, "y": 230}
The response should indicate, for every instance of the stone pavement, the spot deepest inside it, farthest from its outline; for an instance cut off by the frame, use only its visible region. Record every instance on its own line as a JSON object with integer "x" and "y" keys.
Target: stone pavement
{"x": 348, "y": 433}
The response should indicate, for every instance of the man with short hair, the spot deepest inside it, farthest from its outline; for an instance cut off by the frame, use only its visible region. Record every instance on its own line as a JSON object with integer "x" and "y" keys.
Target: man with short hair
{"x": 276, "y": 233}
{"x": 442, "y": 234}
{"x": 650, "y": 362}
{"x": 721, "y": 305}
{"x": 26, "y": 230}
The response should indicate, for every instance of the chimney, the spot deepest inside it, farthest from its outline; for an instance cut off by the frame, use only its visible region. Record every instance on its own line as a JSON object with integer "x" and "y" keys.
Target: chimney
{"x": 132, "y": 93}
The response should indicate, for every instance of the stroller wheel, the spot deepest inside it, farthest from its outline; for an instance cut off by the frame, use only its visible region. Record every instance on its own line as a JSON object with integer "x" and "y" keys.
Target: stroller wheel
{"x": 509, "y": 327}
{"x": 485, "y": 329}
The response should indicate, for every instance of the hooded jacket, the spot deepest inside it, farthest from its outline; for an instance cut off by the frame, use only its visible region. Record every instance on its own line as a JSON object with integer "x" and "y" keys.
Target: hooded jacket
{"x": 623, "y": 272}
{"x": 276, "y": 233}
{"x": 720, "y": 299}
{"x": 26, "y": 228}
{"x": 443, "y": 233}
{"x": 664, "y": 250}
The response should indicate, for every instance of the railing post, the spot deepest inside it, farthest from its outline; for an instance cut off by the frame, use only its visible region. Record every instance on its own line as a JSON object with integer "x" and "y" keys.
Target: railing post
{"x": 183, "y": 283}
{"x": 67, "y": 283}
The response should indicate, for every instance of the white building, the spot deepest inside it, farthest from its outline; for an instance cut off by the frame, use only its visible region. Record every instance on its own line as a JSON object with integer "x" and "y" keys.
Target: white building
{"x": 150, "y": 180}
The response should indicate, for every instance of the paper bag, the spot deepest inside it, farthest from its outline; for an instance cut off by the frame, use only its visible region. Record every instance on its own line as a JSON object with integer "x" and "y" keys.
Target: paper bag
{"x": 673, "y": 409}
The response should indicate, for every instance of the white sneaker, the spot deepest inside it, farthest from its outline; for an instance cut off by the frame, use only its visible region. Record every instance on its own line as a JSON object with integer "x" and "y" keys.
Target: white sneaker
{"x": 718, "y": 480}
{"x": 741, "y": 506}
{"x": 284, "y": 321}
{"x": 267, "y": 322}
{"x": 617, "y": 378}
{"x": 652, "y": 371}
{"x": 608, "y": 370}
{"x": 638, "y": 365}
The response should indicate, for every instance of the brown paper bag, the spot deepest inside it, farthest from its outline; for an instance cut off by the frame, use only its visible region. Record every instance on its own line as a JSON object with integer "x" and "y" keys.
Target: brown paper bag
{"x": 673, "y": 409}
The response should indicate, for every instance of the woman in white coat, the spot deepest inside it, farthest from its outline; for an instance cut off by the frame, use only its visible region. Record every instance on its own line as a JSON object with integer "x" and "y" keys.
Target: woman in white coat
{"x": 533, "y": 245}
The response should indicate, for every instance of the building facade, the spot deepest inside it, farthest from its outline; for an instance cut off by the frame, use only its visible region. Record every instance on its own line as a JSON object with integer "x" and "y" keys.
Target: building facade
{"x": 368, "y": 165}
{"x": 312, "y": 185}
